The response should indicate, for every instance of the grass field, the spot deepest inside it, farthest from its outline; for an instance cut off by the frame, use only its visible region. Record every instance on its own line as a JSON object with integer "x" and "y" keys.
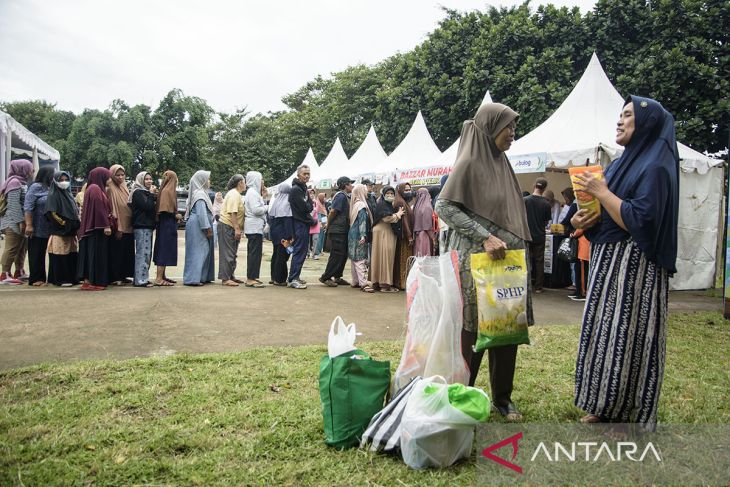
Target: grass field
{"x": 254, "y": 417}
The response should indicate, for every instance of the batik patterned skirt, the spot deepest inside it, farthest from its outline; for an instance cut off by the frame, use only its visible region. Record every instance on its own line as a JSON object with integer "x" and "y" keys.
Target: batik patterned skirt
{"x": 621, "y": 354}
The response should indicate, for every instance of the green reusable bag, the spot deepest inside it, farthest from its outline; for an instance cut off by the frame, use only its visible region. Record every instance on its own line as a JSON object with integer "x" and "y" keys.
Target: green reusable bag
{"x": 352, "y": 390}
{"x": 469, "y": 400}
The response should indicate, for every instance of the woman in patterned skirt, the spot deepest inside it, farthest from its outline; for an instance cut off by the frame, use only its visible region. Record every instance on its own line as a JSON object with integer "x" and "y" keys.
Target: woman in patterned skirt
{"x": 620, "y": 363}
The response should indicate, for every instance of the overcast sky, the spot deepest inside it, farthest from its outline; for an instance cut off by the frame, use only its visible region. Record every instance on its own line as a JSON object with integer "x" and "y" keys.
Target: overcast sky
{"x": 85, "y": 53}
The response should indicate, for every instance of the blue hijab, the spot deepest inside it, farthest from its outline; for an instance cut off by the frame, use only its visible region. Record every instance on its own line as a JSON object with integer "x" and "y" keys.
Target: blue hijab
{"x": 646, "y": 178}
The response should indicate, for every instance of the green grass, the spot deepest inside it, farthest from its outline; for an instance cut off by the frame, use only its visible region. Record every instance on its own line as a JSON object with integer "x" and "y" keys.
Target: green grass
{"x": 215, "y": 419}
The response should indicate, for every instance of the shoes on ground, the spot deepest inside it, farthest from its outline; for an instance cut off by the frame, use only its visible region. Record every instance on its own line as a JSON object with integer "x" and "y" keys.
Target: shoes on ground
{"x": 341, "y": 282}
{"x": 296, "y": 284}
{"x": 328, "y": 282}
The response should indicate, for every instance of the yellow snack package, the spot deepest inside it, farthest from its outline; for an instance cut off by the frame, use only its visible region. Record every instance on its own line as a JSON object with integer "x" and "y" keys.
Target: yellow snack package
{"x": 585, "y": 201}
{"x": 501, "y": 288}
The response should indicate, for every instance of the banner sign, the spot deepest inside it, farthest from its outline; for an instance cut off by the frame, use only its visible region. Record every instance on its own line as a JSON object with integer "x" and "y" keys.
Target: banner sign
{"x": 428, "y": 176}
{"x": 528, "y": 163}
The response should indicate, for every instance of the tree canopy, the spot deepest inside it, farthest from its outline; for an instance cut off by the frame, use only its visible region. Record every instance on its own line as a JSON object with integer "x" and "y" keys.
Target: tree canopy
{"x": 675, "y": 51}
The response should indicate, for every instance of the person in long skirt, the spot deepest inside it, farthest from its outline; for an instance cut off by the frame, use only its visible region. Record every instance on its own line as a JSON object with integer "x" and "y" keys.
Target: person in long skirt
{"x": 404, "y": 245}
{"x": 621, "y": 352}
{"x": 230, "y": 227}
{"x": 95, "y": 232}
{"x": 121, "y": 246}
{"x": 37, "y": 228}
{"x": 423, "y": 225}
{"x": 357, "y": 238}
{"x": 385, "y": 232}
{"x": 282, "y": 234}
{"x": 199, "y": 250}
{"x": 63, "y": 246}
{"x": 165, "y": 253}
{"x": 143, "y": 201}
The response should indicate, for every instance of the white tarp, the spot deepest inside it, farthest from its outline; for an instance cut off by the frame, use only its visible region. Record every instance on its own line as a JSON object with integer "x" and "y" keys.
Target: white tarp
{"x": 369, "y": 155}
{"x": 416, "y": 150}
{"x": 332, "y": 167}
{"x": 21, "y": 140}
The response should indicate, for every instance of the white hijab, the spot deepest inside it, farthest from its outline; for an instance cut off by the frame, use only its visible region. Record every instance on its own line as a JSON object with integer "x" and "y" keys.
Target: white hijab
{"x": 198, "y": 191}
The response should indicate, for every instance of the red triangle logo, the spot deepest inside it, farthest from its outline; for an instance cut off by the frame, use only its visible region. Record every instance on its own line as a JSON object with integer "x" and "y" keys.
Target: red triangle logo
{"x": 512, "y": 440}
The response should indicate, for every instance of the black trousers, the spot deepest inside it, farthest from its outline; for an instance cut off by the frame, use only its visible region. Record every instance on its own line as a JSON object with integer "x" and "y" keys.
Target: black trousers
{"x": 338, "y": 256}
{"x": 253, "y": 260}
{"x": 536, "y": 254}
{"x": 279, "y": 272}
{"x": 37, "y": 259}
{"x": 502, "y": 362}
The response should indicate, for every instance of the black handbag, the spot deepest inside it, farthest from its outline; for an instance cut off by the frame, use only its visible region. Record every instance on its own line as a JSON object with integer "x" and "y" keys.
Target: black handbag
{"x": 568, "y": 250}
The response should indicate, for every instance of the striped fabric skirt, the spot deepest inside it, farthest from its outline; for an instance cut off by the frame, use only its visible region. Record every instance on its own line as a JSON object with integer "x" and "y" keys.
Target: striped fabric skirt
{"x": 620, "y": 363}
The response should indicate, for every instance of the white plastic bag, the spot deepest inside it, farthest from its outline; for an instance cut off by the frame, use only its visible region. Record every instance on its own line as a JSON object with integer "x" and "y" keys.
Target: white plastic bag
{"x": 434, "y": 314}
{"x": 433, "y": 432}
{"x": 341, "y": 338}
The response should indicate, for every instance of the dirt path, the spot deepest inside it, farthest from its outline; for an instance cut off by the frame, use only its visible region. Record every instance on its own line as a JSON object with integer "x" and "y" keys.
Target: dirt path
{"x": 65, "y": 324}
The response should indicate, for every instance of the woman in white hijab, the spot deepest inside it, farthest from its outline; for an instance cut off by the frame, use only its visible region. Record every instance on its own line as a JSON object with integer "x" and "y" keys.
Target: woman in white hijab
{"x": 199, "y": 253}
{"x": 253, "y": 227}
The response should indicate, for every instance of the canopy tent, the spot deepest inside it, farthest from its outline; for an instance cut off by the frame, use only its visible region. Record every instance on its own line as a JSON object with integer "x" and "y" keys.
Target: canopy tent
{"x": 416, "y": 150}
{"x": 332, "y": 167}
{"x": 370, "y": 154}
{"x": 449, "y": 156}
{"x": 310, "y": 161}
{"x": 16, "y": 138}
{"x": 583, "y": 130}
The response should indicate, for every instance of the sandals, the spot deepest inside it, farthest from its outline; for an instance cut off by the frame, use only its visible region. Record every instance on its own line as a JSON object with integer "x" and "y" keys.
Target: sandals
{"x": 236, "y": 280}
{"x": 389, "y": 290}
{"x": 171, "y": 281}
{"x": 367, "y": 289}
{"x": 163, "y": 284}
{"x": 230, "y": 282}
{"x": 510, "y": 413}
{"x": 146, "y": 284}
{"x": 255, "y": 284}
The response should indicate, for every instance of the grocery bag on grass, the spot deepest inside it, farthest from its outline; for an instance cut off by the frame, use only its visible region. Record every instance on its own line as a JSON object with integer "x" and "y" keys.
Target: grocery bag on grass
{"x": 383, "y": 432}
{"x": 434, "y": 316}
{"x": 341, "y": 338}
{"x": 438, "y": 423}
{"x": 501, "y": 289}
{"x": 352, "y": 388}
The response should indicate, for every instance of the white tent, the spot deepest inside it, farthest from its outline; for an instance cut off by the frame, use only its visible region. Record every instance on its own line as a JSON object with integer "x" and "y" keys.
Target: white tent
{"x": 583, "y": 130}
{"x": 416, "y": 151}
{"x": 369, "y": 155}
{"x": 16, "y": 138}
{"x": 332, "y": 167}
{"x": 310, "y": 161}
{"x": 449, "y": 156}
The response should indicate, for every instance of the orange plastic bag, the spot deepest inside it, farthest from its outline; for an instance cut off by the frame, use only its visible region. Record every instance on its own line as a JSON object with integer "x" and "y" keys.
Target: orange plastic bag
{"x": 585, "y": 201}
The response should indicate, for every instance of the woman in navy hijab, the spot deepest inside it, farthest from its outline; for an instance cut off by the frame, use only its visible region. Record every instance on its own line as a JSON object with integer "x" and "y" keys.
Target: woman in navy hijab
{"x": 620, "y": 363}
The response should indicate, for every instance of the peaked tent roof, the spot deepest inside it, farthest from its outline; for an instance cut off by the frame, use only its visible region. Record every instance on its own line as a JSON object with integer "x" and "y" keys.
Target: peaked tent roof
{"x": 585, "y": 121}
{"x": 417, "y": 149}
{"x": 369, "y": 155}
{"x": 449, "y": 157}
{"x": 334, "y": 164}
{"x": 310, "y": 161}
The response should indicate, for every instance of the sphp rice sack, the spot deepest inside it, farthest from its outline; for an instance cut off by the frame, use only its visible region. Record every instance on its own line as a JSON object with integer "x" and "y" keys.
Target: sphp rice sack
{"x": 501, "y": 288}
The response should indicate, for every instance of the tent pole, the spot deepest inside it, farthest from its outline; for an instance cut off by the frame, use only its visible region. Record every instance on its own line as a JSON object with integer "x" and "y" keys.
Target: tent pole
{"x": 8, "y": 151}
{"x": 36, "y": 166}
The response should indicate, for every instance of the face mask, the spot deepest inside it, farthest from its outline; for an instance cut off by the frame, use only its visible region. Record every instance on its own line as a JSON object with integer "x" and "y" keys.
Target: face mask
{"x": 64, "y": 184}
{"x": 390, "y": 199}
{"x": 408, "y": 195}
